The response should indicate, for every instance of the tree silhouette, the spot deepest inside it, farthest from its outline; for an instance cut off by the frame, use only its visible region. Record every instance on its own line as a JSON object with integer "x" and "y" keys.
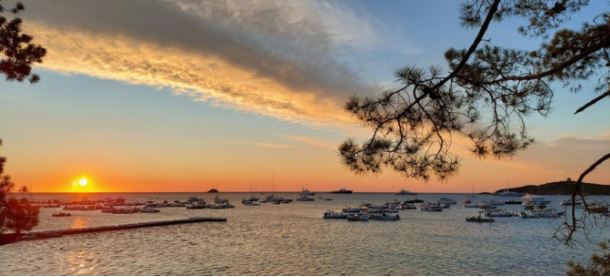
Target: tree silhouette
{"x": 485, "y": 95}
{"x": 17, "y": 54}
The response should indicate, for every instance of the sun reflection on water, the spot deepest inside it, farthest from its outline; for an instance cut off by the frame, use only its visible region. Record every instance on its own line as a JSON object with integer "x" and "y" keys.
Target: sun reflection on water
{"x": 79, "y": 223}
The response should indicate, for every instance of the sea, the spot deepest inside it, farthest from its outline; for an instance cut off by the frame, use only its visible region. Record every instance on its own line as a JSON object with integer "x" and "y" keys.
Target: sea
{"x": 294, "y": 239}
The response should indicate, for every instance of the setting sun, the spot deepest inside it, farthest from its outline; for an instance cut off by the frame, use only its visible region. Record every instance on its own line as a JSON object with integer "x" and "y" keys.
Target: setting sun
{"x": 83, "y": 182}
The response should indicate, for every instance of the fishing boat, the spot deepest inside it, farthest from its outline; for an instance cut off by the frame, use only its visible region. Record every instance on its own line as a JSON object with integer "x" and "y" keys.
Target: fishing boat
{"x": 405, "y": 192}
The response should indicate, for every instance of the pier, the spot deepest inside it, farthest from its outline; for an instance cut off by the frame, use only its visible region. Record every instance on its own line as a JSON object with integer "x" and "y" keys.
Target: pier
{"x": 8, "y": 238}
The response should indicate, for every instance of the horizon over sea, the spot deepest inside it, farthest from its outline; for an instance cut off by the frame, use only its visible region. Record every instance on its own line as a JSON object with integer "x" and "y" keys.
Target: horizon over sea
{"x": 293, "y": 239}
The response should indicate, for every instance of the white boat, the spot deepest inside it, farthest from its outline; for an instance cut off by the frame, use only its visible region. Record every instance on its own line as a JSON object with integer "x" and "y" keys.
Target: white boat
{"x": 541, "y": 213}
{"x": 431, "y": 207}
{"x": 533, "y": 201}
{"x": 334, "y": 215}
{"x": 405, "y": 192}
{"x": 500, "y": 213}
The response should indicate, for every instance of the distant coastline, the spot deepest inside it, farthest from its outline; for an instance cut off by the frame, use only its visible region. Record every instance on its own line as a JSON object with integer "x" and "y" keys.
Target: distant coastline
{"x": 561, "y": 188}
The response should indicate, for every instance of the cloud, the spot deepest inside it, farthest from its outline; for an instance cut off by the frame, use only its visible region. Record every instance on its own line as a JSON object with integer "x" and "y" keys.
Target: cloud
{"x": 272, "y": 57}
{"x": 312, "y": 141}
{"x": 268, "y": 145}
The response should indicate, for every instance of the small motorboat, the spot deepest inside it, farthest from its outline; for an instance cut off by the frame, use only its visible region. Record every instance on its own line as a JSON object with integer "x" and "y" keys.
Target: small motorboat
{"x": 408, "y": 206}
{"x": 334, "y": 215}
{"x": 61, "y": 214}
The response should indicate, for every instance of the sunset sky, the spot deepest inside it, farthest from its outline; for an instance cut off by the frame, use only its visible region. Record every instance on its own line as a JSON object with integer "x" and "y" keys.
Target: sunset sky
{"x": 190, "y": 95}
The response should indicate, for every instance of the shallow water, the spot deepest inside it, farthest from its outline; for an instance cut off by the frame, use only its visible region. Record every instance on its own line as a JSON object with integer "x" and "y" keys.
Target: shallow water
{"x": 293, "y": 239}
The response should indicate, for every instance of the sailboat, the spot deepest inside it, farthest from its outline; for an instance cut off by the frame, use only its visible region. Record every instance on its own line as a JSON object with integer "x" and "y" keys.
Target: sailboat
{"x": 252, "y": 200}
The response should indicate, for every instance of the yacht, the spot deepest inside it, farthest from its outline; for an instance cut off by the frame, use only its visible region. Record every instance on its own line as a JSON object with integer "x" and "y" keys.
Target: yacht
{"x": 307, "y": 192}
{"x": 343, "y": 190}
{"x": 405, "y": 192}
{"x": 533, "y": 201}
{"x": 306, "y": 195}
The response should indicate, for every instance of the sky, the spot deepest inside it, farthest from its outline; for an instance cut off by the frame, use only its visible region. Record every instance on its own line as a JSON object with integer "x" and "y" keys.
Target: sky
{"x": 190, "y": 95}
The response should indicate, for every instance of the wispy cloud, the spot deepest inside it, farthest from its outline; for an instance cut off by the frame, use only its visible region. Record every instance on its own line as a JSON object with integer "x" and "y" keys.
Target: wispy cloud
{"x": 312, "y": 141}
{"x": 267, "y": 145}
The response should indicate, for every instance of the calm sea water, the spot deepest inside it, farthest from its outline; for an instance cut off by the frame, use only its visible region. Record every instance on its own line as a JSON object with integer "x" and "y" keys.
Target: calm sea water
{"x": 293, "y": 239}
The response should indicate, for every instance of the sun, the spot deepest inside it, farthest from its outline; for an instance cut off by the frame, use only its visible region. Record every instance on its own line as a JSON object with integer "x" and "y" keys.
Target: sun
{"x": 83, "y": 182}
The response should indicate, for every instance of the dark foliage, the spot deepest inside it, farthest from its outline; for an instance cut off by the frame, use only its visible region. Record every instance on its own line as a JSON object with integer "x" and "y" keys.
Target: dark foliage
{"x": 599, "y": 265}
{"x": 17, "y": 51}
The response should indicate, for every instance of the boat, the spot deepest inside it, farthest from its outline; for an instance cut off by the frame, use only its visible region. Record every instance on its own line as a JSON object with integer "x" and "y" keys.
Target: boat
{"x": 219, "y": 200}
{"x": 534, "y": 202}
{"x": 271, "y": 198}
{"x": 445, "y": 200}
{"x": 358, "y": 217}
{"x": 149, "y": 210}
{"x": 598, "y": 208}
{"x": 408, "y": 206}
{"x": 500, "y": 213}
{"x": 249, "y": 202}
{"x": 479, "y": 219}
{"x": 325, "y": 199}
{"x": 306, "y": 195}
{"x": 431, "y": 207}
{"x": 196, "y": 205}
{"x": 225, "y": 205}
{"x": 343, "y": 191}
{"x": 307, "y": 192}
{"x": 334, "y": 215}
{"x": 61, "y": 214}
{"x": 125, "y": 211}
{"x": 541, "y": 213}
{"x": 508, "y": 193}
{"x": 384, "y": 216}
{"x": 305, "y": 198}
{"x": 405, "y": 192}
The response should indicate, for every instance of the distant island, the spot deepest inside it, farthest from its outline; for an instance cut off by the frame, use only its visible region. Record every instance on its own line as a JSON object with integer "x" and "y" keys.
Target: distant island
{"x": 213, "y": 191}
{"x": 561, "y": 188}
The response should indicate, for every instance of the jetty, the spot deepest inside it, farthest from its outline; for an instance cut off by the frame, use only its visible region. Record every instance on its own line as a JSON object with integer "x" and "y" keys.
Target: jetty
{"x": 8, "y": 238}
